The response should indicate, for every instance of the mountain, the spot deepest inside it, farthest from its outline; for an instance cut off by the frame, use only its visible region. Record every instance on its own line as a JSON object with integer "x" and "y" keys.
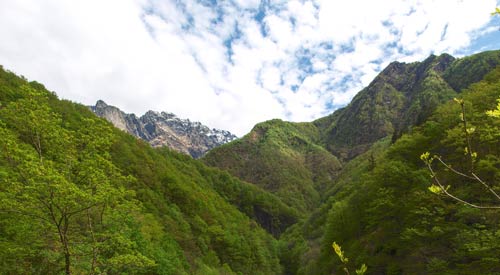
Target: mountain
{"x": 77, "y": 195}
{"x": 165, "y": 129}
{"x": 373, "y": 195}
{"x": 300, "y": 161}
{"x": 283, "y": 158}
{"x": 381, "y": 208}
{"x": 80, "y": 196}
{"x": 400, "y": 97}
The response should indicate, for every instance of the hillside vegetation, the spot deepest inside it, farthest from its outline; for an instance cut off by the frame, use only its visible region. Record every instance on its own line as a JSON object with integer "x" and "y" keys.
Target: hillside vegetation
{"x": 300, "y": 161}
{"x": 384, "y": 214}
{"x": 283, "y": 158}
{"x": 78, "y": 196}
{"x": 375, "y": 200}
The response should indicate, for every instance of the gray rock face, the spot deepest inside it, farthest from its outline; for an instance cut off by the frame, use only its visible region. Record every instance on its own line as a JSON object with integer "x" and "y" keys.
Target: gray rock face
{"x": 165, "y": 129}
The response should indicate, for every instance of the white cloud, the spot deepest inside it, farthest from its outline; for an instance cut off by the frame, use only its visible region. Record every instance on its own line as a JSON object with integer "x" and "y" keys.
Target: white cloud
{"x": 219, "y": 64}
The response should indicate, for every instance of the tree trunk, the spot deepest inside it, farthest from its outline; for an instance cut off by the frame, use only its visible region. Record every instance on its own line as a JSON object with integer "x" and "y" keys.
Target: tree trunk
{"x": 63, "y": 236}
{"x": 67, "y": 265}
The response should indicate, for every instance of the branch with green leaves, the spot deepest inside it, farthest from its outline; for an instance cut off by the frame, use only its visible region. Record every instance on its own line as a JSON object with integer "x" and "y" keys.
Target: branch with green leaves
{"x": 338, "y": 250}
{"x": 496, "y": 12}
{"x": 441, "y": 189}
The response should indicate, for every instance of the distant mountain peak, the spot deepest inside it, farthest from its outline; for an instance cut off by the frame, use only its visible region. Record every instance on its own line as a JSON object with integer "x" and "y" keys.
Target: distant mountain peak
{"x": 101, "y": 104}
{"x": 165, "y": 129}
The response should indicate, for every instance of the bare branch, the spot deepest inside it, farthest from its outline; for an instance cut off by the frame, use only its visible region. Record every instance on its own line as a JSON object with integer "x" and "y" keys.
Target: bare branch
{"x": 452, "y": 169}
{"x": 486, "y": 185}
{"x": 445, "y": 191}
{"x": 81, "y": 209}
{"x": 467, "y": 135}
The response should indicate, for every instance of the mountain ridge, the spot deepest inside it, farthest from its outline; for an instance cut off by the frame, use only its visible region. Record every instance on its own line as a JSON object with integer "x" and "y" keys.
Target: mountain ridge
{"x": 401, "y": 96}
{"x": 165, "y": 129}
{"x": 354, "y": 177}
{"x": 282, "y": 156}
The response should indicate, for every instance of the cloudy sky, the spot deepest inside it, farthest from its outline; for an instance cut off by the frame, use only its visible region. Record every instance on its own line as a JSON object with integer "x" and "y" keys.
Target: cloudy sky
{"x": 231, "y": 63}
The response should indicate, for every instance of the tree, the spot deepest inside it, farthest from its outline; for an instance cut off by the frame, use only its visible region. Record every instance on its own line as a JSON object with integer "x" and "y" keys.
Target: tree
{"x": 64, "y": 181}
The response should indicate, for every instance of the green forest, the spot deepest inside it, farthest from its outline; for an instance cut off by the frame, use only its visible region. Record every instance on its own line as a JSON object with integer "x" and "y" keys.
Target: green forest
{"x": 405, "y": 179}
{"x": 81, "y": 197}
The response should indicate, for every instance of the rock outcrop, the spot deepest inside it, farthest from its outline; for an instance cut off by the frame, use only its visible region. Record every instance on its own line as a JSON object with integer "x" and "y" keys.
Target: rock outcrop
{"x": 165, "y": 129}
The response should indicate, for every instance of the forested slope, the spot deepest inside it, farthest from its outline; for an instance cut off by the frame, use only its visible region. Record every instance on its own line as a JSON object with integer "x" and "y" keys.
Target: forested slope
{"x": 79, "y": 196}
{"x": 283, "y": 158}
{"x": 375, "y": 198}
{"x": 299, "y": 162}
{"x": 382, "y": 211}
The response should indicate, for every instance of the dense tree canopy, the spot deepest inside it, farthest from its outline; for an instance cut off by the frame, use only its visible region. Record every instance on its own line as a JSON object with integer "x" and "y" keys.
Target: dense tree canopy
{"x": 385, "y": 215}
{"x": 78, "y": 196}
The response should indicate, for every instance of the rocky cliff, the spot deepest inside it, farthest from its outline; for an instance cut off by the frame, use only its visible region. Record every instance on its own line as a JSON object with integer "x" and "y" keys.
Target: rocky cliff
{"x": 165, "y": 129}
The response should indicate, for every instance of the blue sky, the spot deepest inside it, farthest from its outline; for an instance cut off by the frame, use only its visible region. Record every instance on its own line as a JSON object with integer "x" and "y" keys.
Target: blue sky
{"x": 231, "y": 64}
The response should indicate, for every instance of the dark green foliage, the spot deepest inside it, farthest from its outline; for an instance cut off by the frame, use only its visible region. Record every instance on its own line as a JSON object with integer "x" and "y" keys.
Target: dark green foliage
{"x": 265, "y": 208}
{"x": 465, "y": 71}
{"x": 386, "y": 217}
{"x": 283, "y": 158}
{"x": 401, "y": 96}
{"x": 122, "y": 207}
{"x": 374, "y": 203}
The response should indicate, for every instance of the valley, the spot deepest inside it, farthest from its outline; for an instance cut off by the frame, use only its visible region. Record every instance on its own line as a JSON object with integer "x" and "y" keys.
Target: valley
{"x": 161, "y": 195}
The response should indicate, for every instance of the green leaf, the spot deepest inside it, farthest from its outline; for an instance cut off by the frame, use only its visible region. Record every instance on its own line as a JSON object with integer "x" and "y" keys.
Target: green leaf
{"x": 425, "y": 156}
{"x": 361, "y": 270}
{"x": 495, "y": 112}
{"x": 435, "y": 189}
{"x": 339, "y": 252}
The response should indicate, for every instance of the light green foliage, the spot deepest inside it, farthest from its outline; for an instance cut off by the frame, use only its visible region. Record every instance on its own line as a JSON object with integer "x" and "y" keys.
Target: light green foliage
{"x": 437, "y": 187}
{"x": 66, "y": 183}
{"x": 79, "y": 196}
{"x": 374, "y": 197}
{"x": 340, "y": 253}
{"x": 495, "y": 112}
{"x": 362, "y": 269}
{"x": 338, "y": 250}
{"x": 425, "y": 157}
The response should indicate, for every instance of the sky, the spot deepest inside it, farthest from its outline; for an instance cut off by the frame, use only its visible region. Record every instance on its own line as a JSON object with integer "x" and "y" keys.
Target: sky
{"x": 232, "y": 63}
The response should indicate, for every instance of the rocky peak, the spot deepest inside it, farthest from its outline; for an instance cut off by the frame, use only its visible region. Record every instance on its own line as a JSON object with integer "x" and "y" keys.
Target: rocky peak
{"x": 444, "y": 61}
{"x": 402, "y": 95}
{"x": 100, "y": 104}
{"x": 112, "y": 114}
{"x": 165, "y": 129}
